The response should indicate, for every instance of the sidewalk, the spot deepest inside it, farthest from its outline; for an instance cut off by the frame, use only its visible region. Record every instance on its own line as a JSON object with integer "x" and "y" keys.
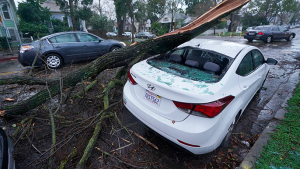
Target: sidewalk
{"x": 254, "y": 153}
{"x": 8, "y": 56}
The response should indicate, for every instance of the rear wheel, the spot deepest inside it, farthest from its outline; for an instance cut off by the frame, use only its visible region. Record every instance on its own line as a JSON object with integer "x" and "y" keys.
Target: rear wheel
{"x": 269, "y": 39}
{"x": 250, "y": 40}
{"x": 230, "y": 130}
{"x": 290, "y": 38}
{"x": 53, "y": 61}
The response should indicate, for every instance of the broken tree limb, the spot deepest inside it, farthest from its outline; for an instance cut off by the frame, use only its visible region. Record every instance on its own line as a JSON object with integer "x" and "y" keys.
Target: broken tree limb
{"x": 66, "y": 159}
{"x": 86, "y": 89}
{"x": 150, "y": 47}
{"x": 19, "y": 127}
{"x": 89, "y": 147}
{"x": 148, "y": 142}
{"x": 120, "y": 161}
{"x": 29, "y": 80}
{"x": 24, "y": 131}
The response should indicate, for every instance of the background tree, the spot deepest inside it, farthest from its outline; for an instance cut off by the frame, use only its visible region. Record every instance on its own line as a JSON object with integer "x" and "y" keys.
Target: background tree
{"x": 60, "y": 26}
{"x": 286, "y": 10}
{"x": 141, "y": 13}
{"x": 101, "y": 23}
{"x": 33, "y": 17}
{"x": 173, "y": 7}
{"x": 155, "y": 9}
{"x": 76, "y": 9}
{"x": 121, "y": 12}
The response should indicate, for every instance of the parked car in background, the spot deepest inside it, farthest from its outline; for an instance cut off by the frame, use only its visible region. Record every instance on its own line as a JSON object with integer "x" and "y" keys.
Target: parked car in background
{"x": 127, "y": 34}
{"x": 269, "y": 33}
{"x": 250, "y": 28}
{"x": 145, "y": 35}
{"x": 286, "y": 26}
{"x": 195, "y": 94}
{"x": 111, "y": 34}
{"x": 66, "y": 47}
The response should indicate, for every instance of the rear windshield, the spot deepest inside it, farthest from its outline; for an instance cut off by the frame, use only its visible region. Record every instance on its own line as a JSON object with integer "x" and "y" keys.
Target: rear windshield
{"x": 261, "y": 28}
{"x": 193, "y": 63}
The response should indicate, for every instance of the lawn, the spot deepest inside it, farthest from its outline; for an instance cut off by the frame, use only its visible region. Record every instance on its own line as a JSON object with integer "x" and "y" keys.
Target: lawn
{"x": 283, "y": 150}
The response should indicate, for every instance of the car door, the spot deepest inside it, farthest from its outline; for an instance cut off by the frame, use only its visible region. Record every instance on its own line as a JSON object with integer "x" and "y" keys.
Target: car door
{"x": 250, "y": 79}
{"x": 90, "y": 45}
{"x": 284, "y": 32}
{"x": 277, "y": 34}
{"x": 67, "y": 46}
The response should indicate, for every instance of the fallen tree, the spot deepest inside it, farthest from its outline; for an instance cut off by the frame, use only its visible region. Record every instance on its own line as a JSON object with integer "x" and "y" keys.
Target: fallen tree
{"x": 122, "y": 57}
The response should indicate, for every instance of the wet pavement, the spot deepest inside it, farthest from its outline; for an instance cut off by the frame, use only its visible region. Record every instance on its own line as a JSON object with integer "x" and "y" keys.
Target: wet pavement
{"x": 280, "y": 82}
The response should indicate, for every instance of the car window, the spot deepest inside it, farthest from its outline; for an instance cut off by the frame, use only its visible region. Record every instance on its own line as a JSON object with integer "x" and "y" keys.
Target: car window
{"x": 83, "y": 37}
{"x": 65, "y": 38}
{"x": 282, "y": 28}
{"x": 178, "y": 52}
{"x": 246, "y": 66}
{"x": 260, "y": 28}
{"x": 258, "y": 58}
{"x": 275, "y": 29}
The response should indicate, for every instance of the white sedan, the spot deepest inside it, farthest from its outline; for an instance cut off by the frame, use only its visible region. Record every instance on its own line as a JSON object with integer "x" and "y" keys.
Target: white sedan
{"x": 194, "y": 94}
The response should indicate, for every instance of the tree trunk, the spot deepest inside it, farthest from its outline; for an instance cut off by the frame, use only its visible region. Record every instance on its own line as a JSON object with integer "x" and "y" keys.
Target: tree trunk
{"x": 132, "y": 21}
{"x": 125, "y": 55}
{"x": 72, "y": 15}
{"x": 230, "y": 25}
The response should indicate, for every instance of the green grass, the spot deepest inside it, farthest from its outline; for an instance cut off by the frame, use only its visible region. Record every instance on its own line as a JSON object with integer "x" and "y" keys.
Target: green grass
{"x": 283, "y": 150}
{"x": 232, "y": 34}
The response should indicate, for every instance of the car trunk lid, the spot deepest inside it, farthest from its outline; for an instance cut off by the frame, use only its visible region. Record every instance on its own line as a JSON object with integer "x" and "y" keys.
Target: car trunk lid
{"x": 167, "y": 87}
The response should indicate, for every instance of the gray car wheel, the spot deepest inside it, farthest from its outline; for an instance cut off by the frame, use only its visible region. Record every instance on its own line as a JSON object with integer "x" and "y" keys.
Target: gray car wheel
{"x": 290, "y": 38}
{"x": 269, "y": 39}
{"x": 230, "y": 130}
{"x": 53, "y": 61}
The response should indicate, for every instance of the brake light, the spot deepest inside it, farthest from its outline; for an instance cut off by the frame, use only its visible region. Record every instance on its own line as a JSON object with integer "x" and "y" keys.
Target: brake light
{"x": 211, "y": 109}
{"x": 260, "y": 33}
{"x": 131, "y": 80}
{"x": 246, "y": 32}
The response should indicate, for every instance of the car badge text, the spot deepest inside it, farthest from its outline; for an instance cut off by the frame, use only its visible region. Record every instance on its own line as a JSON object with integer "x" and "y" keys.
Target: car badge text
{"x": 151, "y": 87}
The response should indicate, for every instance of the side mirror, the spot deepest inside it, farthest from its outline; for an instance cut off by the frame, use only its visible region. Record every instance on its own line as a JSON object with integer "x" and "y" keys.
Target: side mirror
{"x": 271, "y": 61}
{"x": 100, "y": 40}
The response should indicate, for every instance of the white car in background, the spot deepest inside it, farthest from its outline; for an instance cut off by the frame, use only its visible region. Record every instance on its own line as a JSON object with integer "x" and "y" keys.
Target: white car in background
{"x": 195, "y": 94}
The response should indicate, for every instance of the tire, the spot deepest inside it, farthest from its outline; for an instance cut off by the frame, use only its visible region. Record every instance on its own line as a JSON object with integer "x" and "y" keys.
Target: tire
{"x": 114, "y": 48}
{"x": 53, "y": 61}
{"x": 250, "y": 40}
{"x": 290, "y": 38}
{"x": 269, "y": 39}
{"x": 230, "y": 130}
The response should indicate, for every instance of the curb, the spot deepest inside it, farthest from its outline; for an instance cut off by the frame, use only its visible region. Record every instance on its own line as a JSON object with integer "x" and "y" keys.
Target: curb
{"x": 8, "y": 58}
{"x": 254, "y": 153}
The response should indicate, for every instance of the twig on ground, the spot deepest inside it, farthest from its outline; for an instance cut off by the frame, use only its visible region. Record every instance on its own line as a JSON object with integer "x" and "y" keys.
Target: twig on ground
{"x": 66, "y": 159}
{"x": 148, "y": 142}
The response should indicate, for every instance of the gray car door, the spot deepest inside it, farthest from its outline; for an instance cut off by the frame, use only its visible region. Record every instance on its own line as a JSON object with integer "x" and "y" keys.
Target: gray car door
{"x": 67, "y": 46}
{"x": 277, "y": 34}
{"x": 91, "y": 46}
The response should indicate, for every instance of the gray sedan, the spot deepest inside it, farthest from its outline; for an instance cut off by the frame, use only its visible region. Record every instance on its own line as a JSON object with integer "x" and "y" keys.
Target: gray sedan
{"x": 66, "y": 47}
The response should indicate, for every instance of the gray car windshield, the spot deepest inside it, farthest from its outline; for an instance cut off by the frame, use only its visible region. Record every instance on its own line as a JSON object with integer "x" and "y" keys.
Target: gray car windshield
{"x": 193, "y": 64}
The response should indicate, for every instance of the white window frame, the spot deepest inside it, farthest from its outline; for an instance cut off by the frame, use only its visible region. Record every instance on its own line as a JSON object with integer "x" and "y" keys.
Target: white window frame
{"x": 62, "y": 19}
{"x": 8, "y": 10}
{"x": 16, "y": 34}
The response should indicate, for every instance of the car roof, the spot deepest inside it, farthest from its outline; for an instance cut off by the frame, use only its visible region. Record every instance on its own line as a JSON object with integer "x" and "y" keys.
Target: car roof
{"x": 60, "y": 33}
{"x": 230, "y": 49}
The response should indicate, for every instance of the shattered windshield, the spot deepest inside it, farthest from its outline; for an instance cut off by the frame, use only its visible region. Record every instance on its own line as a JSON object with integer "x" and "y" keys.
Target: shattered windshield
{"x": 193, "y": 64}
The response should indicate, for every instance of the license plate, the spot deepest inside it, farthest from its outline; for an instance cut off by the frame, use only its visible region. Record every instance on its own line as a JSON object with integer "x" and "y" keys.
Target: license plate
{"x": 251, "y": 33}
{"x": 153, "y": 98}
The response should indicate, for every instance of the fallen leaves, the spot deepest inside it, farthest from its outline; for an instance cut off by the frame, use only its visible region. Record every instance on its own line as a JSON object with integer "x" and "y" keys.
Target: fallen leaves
{"x": 2, "y": 112}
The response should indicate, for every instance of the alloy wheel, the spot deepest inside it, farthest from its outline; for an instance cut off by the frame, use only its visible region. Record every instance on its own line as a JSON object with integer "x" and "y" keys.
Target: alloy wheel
{"x": 53, "y": 61}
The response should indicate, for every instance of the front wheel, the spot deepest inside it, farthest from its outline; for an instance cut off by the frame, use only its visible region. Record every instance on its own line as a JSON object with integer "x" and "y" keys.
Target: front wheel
{"x": 269, "y": 39}
{"x": 290, "y": 38}
{"x": 114, "y": 48}
{"x": 53, "y": 61}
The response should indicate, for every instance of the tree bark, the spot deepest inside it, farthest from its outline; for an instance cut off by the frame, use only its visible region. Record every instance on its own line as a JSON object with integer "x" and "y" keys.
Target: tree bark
{"x": 72, "y": 15}
{"x": 125, "y": 55}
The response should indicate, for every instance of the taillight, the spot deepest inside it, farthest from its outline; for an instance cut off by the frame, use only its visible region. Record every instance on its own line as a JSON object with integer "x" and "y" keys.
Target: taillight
{"x": 26, "y": 48}
{"x": 260, "y": 33}
{"x": 131, "y": 80}
{"x": 211, "y": 109}
{"x": 246, "y": 32}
